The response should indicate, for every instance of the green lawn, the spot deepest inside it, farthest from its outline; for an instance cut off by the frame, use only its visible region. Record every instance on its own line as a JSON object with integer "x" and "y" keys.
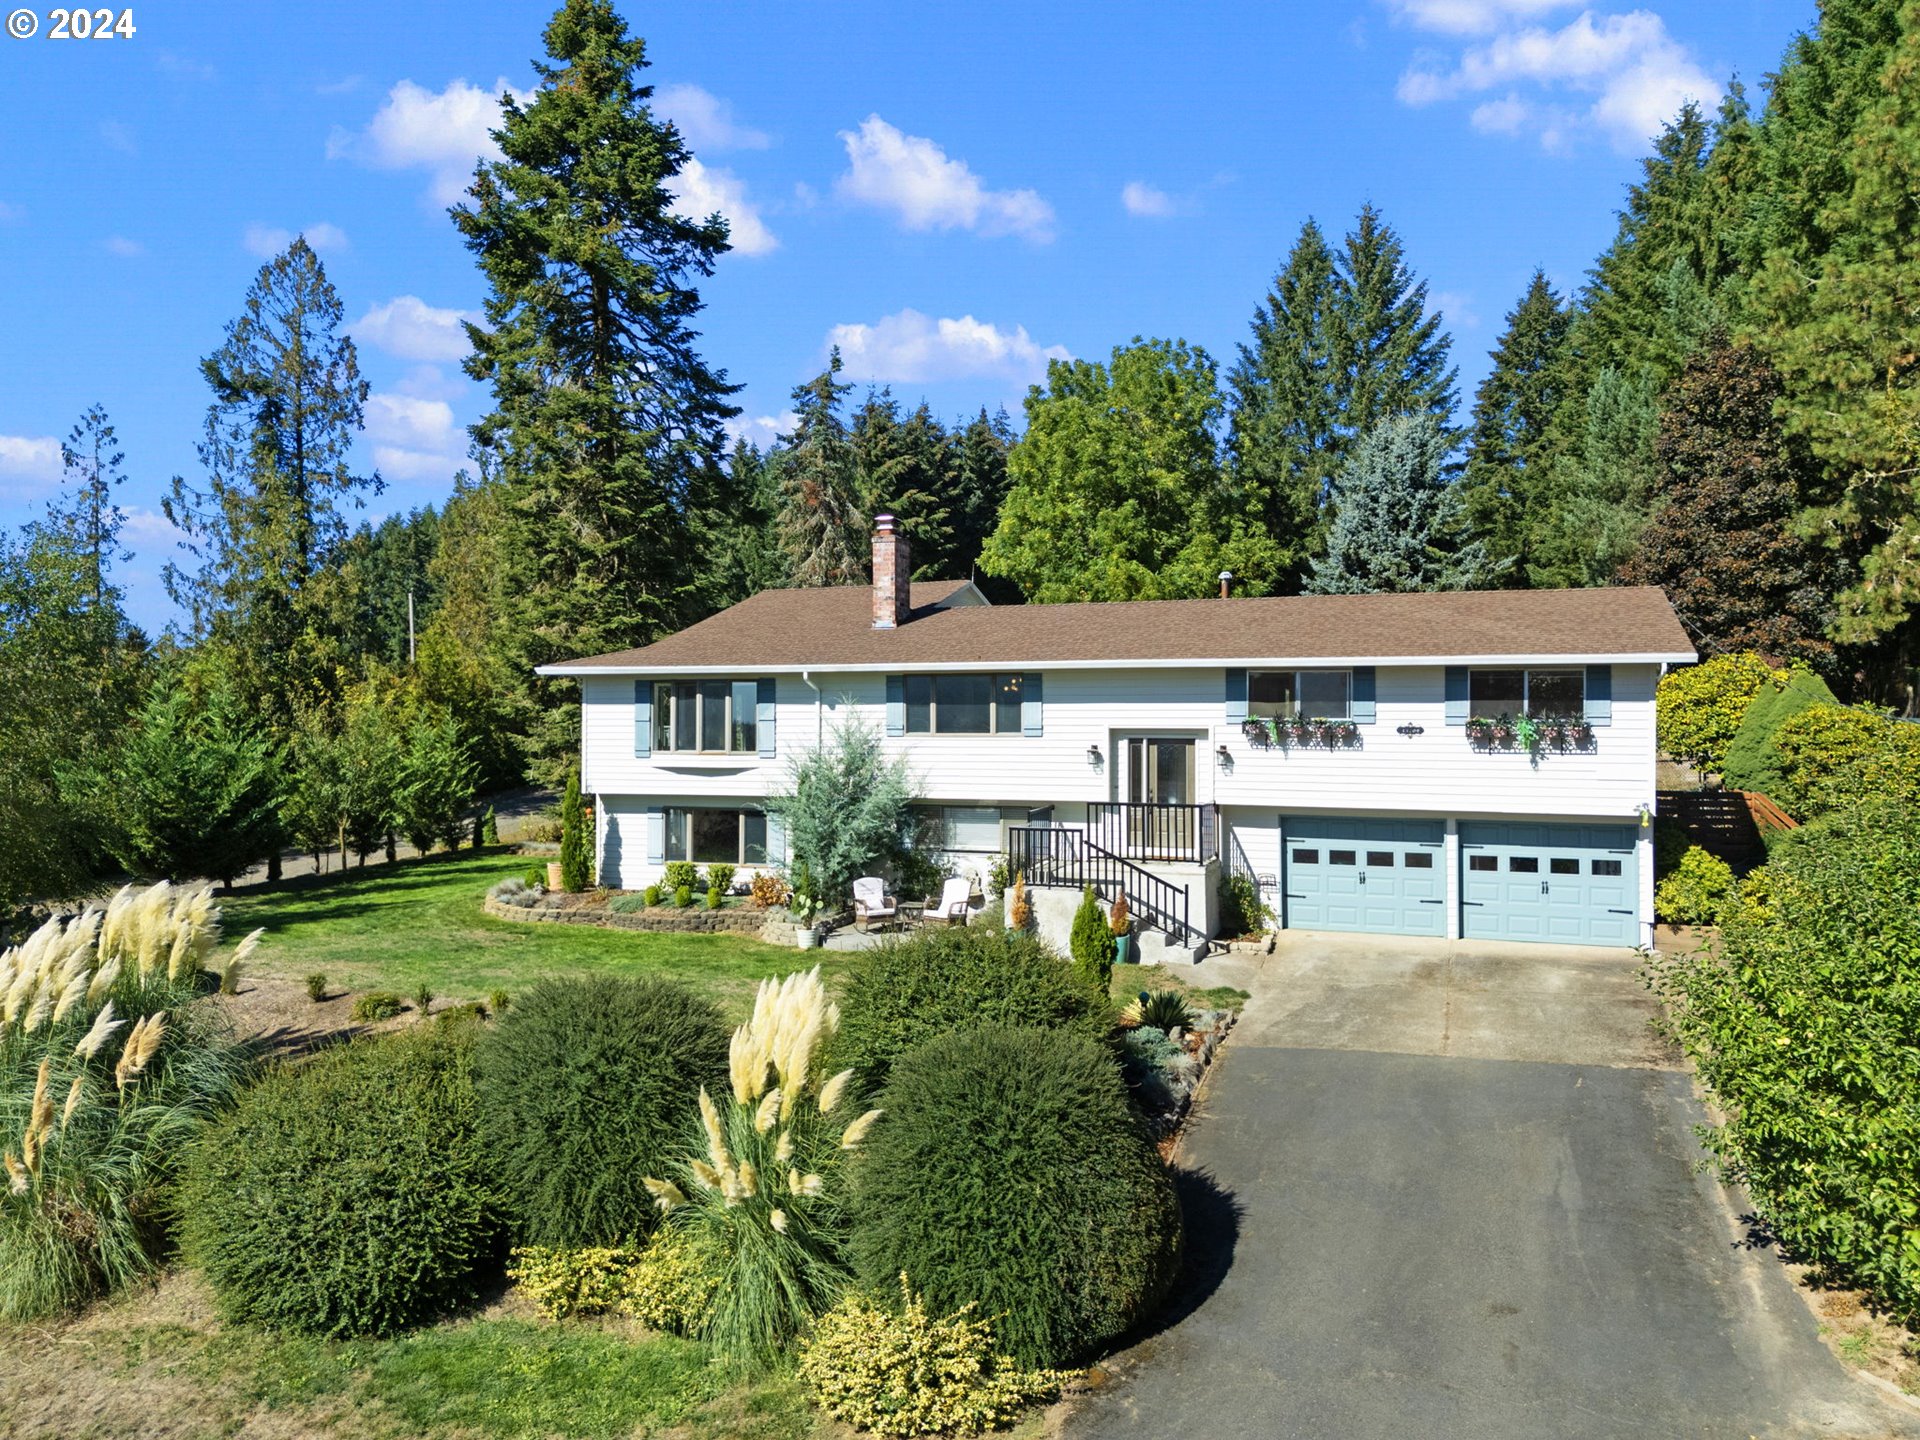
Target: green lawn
{"x": 397, "y": 927}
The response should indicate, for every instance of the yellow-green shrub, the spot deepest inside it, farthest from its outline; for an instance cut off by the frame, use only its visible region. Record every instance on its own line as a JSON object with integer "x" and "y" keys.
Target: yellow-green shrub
{"x": 1834, "y": 757}
{"x": 669, "y": 1285}
{"x": 1699, "y": 888}
{"x": 904, "y": 1373}
{"x": 1698, "y": 709}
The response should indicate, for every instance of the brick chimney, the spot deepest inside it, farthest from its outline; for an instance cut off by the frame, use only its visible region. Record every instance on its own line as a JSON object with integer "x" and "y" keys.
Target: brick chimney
{"x": 891, "y": 569}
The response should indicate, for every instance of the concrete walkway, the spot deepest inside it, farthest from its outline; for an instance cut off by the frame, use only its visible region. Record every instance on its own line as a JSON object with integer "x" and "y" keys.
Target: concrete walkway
{"x": 1451, "y": 1190}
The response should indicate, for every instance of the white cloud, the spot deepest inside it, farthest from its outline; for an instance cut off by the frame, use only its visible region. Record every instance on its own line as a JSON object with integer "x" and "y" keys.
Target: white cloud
{"x": 144, "y": 528}
{"x": 914, "y": 178}
{"x": 762, "y": 430}
{"x": 1457, "y": 307}
{"x": 1637, "y": 72}
{"x": 706, "y": 121}
{"x": 412, "y": 329}
{"x": 267, "y": 241}
{"x": 699, "y": 191}
{"x": 1471, "y": 17}
{"x": 909, "y": 347}
{"x": 1140, "y": 198}
{"x": 125, "y": 248}
{"x": 413, "y": 438}
{"x": 29, "y": 466}
{"x": 443, "y": 132}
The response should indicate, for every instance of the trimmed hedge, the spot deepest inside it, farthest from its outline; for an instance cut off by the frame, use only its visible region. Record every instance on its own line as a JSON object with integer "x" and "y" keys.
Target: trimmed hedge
{"x": 348, "y": 1195}
{"x": 1011, "y": 1172}
{"x": 586, "y": 1086}
{"x": 941, "y": 980}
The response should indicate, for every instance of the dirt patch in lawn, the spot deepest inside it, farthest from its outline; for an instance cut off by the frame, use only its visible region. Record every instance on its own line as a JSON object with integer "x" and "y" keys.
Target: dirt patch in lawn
{"x": 279, "y": 1014}
{"x": 1861, "y": 1336}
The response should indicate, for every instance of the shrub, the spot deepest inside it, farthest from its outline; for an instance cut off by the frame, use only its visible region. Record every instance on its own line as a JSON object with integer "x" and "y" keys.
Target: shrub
{"x": 1698, "y": 709}
{"x": 586, "y": 1085}
{"x": 1019, "y": 909}
{"x": 906, "y": 992}
{"x": 576, "y": 838}
{"x": 106, "y": 1070}
{"x": 1752, "y": 761}
{"x": 489, "y": 828}
{"x": 720, "y": 877}
{"x": 1159, "y": 1070}
{"x": 1013, "y": 1173}
{"x": 669, "y": 1285}
{"x": 900, "y": 1372}
{"x": 1834, "y": 757}
{"x": 1120, "y": 921}
{"x": 1242, "y": 912}
{"x": 716, "y": 897}
{"x": 423, "y": 1000}
{"x": 1092, "y": 942}
{"x": 651, "y": 895}
{"x": 498, "y": 1000}
{"x": 377, "y": 1005}
{"x": 769, "y": 891}
{"x": 348, "y": 1195}
{"x": 1164, "y": 1010}
{"x": 762, "y": 1173}
{"x": 681, "y": 875}
{"x": 317, "y": 986}
{"x": 1696, "y": 891}
{"x": 1803, "y": 1030}
{"x": 535, "y": 877}
{"x": 683, "y": 897}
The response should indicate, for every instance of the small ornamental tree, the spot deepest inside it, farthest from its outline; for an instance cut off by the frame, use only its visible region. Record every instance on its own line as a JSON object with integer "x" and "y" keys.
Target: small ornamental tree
{"x": 1753, "y": 761}
{"x": 1092, "y": 941}
{"x": 576, "y": 847}
{"x": 1398, "y": 519}
{"x": 1699, "y": 707}
{"x": 847, "y": 809}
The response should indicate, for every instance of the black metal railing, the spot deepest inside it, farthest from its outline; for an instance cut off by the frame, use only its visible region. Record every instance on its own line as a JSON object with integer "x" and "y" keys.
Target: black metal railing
{"x": 1067, "y": 859}
{"x": 1183, "y": 833}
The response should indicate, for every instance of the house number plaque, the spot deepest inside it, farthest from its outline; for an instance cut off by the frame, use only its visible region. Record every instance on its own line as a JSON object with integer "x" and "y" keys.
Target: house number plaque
{"x": 1413, "y": 729}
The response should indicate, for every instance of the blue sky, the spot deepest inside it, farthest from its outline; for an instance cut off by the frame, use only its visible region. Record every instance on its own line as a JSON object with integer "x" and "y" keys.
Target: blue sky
{"x": 951, "y": 193}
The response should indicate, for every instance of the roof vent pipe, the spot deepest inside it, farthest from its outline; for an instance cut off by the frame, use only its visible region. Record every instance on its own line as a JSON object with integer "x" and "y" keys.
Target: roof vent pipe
{"x": 1226, "y": 581}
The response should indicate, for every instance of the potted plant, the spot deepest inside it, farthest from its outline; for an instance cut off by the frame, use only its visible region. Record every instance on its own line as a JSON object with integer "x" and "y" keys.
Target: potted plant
{"x": 1121, "y": 923}
{"x": 1254, "y": 727}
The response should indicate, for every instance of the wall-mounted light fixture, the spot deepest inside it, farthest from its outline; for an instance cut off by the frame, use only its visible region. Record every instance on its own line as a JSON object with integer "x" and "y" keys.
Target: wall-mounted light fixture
{"x": 1226, "y": 756}
{"x": 1646, "y": 816}
{"x": 1094, "y": 757}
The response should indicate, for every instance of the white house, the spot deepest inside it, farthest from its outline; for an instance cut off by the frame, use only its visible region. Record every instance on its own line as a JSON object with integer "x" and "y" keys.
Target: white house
{"x": 1133, "y": 745}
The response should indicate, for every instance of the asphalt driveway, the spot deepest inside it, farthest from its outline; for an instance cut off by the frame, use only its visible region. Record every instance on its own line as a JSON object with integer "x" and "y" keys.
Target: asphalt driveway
{"x": 1452, "y": 1190}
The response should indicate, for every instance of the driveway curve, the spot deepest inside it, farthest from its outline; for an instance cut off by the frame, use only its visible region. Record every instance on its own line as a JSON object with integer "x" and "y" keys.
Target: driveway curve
{"x": 1453, "y": 1189}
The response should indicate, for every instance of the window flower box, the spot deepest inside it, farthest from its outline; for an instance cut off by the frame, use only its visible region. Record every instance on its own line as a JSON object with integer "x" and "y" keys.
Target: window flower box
{"x": 1267, "y": 732}
{"x": 1532, "y": 733}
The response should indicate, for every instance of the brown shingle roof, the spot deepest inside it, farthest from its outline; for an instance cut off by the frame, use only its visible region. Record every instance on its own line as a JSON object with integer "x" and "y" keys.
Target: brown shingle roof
{"x": 832, "y": 629}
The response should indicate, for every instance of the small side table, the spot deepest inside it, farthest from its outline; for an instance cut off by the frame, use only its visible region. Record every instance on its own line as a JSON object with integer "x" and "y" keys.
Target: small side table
{"x": 913, "y": 913}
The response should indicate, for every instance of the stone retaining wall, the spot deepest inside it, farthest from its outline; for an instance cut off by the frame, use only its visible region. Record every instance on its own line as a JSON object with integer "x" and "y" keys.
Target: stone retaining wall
{"x": 740, "y": 921}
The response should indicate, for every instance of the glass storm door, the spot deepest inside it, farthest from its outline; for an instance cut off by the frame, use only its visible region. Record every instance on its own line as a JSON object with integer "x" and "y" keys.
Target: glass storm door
{"x": 1159, "y": 773}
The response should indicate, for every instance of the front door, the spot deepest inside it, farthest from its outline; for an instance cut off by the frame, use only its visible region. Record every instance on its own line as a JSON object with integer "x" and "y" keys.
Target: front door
{"x": 1160, "y": 775}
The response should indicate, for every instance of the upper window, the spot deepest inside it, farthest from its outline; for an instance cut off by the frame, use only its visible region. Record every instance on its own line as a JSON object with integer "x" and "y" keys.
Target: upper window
{"x": 1286, "y": 694}
{"x": 1536, "y": 693}
{"x": 963, "y": 704}
{"x": 706, "y": 715}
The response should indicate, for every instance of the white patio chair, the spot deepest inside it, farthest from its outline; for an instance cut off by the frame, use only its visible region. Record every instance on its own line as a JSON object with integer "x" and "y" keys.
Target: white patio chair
{"x": 871, "y": 902}
{"x": 952, "y": 906}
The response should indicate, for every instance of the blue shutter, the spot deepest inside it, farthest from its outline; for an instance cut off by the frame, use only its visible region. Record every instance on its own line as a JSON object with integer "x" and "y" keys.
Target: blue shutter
{"x": 656, "y": 836}
{"x": 1032, "y": 705}
{"x": 1599, "y": 694}
{"x": 896, "y": 704}
{"x": 1459, "y": 694}
{"x": 1364, "y": 712}
{"x": 1236, "y": 696}
{"x": 763, "y": 715}
{"x": 776, "y": 840}
{"x": 643, "y": 718}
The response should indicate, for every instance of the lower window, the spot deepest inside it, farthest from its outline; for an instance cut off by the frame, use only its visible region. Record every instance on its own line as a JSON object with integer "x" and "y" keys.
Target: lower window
{"x": 726, "y": 837}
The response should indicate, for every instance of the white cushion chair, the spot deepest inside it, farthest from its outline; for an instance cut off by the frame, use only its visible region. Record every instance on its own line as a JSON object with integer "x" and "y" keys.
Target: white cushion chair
{"x": 872, "y": 903}
{"x": 954, "y": 903}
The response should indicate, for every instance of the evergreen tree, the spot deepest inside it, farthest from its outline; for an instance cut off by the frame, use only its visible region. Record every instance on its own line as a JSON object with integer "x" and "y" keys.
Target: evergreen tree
{"x": 434, "y": 788}
{"x": 743, "y": 544}
{"x": 92, "y": 458}
{"x": 1510, "y": 459}
{"x": 1598, "y": 498}
{"x": 605, "y": 417}
{"x": 576, "y": 843}
{"x": 1341, "y": 343}
{"x": 822, "y": 528}
{"x": 377, "y": 571}
{"x": 1722, "y": 542}
{"x": 1398, "y": 519}
{"x": 904, "y": 468}
{"x": 1117, "y": 492}
{"x": 287, "y": 406}
{"x": 979, "y": 471}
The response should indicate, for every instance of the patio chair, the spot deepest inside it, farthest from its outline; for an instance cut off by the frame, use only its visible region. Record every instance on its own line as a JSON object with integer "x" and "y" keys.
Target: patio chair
{"x": 872, "y": 903}
{"x": 953, "y": 903}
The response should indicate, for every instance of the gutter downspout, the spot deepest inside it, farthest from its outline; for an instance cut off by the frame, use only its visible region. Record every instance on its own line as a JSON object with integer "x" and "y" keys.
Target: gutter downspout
{"x": 819, "y": 715}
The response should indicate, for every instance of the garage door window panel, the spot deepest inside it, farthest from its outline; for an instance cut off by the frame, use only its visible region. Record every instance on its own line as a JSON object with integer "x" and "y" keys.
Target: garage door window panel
{"x": 1483, "y": 862}
{"x": 1419, "y": 860}
{"x": 1342, "y": 857}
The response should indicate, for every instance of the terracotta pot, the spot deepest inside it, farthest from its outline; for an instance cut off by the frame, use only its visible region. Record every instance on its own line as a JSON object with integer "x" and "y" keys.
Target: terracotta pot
{"x": 554, "y": 881}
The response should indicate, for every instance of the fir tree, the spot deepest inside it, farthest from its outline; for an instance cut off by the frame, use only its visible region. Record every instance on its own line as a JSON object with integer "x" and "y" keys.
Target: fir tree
{"x": 605, "y": 417}
{"x": 1391, "y": 351}
{"x": 576, "y": 843}
{"x": 1397, "y": 519}
{"x": 979, "y": 470}
{"x": 903, "y": 468}
{"x": 821, "y": 526}
{"x": 1721, "y": 542}
{"x": 92, "y": 458}
{"x": 1510, "y": 459}
{"x": 1597, "y": 499}
{"x": 287, "y": 407}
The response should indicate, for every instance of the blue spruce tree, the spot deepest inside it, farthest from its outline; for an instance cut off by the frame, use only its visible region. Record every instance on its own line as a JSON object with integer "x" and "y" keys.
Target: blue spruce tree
{"x": 1397, "y": 517}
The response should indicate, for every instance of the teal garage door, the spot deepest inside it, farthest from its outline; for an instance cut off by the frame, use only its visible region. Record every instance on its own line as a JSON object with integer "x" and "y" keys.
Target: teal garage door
{"x": 1566, "y": 884}
{"x": 1384, "y": 877}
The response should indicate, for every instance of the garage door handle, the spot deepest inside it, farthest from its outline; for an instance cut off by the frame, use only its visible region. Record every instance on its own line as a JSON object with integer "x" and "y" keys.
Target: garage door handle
{"x": 1619, "y": 912}
{"x": 1466, "y": 902}
{"x": 1295, "y": 895}
{"x": 1442, "y": 902}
